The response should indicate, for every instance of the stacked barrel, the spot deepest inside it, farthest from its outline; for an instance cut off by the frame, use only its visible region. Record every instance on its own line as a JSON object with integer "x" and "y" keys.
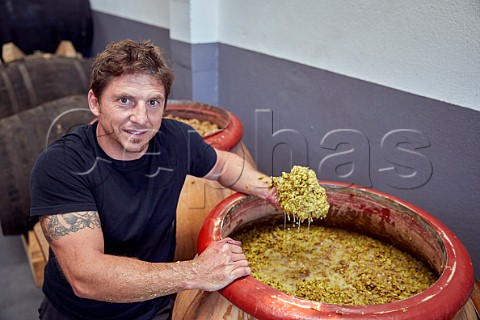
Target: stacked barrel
{"x": 44, "y": 43}
{"x": 30, "y": 117}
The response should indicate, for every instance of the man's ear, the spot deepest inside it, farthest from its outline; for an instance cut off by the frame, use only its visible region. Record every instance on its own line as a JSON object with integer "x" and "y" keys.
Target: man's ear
{"x": 93, "y": 103}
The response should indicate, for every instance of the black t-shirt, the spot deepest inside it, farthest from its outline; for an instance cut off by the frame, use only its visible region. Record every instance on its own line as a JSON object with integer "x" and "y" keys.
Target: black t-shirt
{"x": 136, "y": 201}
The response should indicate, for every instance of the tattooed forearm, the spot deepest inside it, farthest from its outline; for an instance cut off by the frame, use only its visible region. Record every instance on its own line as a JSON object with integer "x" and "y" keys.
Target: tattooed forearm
{"x": 59, "y": 225}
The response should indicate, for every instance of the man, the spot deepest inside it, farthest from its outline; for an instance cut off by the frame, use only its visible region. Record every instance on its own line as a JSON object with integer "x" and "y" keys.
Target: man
{"x": 107, "y": 193}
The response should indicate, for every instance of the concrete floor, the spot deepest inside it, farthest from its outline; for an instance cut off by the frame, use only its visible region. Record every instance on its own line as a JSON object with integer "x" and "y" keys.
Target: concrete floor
{"x": 19, "y": 297}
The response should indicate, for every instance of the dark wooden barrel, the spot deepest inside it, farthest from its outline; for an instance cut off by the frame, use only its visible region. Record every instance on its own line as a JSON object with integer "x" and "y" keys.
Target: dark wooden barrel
{"x": 22, "y": 137}
{"x": 40, "y": 25}
{"x": 27, "y": 83}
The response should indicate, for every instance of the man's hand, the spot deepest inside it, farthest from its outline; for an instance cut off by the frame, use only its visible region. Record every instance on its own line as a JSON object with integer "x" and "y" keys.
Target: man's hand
{"x": 220, "y": 264}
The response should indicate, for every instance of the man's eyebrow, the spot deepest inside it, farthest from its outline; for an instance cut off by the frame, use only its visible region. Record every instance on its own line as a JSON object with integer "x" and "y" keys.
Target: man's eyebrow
{"x": 123, "y": 95}
{"x": 158, "y": 96}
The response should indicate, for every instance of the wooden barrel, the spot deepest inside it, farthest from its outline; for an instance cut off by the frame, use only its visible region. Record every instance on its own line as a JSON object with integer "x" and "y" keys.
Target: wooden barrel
{"x": 41, "y": 24}
{"x": 468, "y": 312}
{"x": 22, "y": 137}
{"x": 27, "y": 83}
{"x": 476, "y": 295}
{"x": 203, "y": 305}
{"x": 200, "y": 196}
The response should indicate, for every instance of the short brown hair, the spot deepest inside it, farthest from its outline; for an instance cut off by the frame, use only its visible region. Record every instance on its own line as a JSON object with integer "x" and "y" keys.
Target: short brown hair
{"x": 129, "y": 57}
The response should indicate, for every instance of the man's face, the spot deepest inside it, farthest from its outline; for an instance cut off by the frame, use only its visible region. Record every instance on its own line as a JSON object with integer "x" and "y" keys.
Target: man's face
{"x": 129, "y": 114}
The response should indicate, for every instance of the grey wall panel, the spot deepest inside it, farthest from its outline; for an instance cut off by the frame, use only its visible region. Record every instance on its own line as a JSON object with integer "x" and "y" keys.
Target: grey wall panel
{"x": 205, "y": 72}
{"x": 196, "y": 70}
{"x": 108, "y": 28}
{"x": 182, "y": 66}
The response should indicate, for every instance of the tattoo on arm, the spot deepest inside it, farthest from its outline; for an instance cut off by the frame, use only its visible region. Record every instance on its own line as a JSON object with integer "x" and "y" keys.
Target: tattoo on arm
{"x": 56, "y": 226}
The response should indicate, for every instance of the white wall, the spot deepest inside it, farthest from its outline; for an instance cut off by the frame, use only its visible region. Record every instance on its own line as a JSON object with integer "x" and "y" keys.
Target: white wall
{"x": 153, "y": 12}
{"x": 188, "y": 21}
{"x": 430, "y": 48}
{"x": 194, "y": 21}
